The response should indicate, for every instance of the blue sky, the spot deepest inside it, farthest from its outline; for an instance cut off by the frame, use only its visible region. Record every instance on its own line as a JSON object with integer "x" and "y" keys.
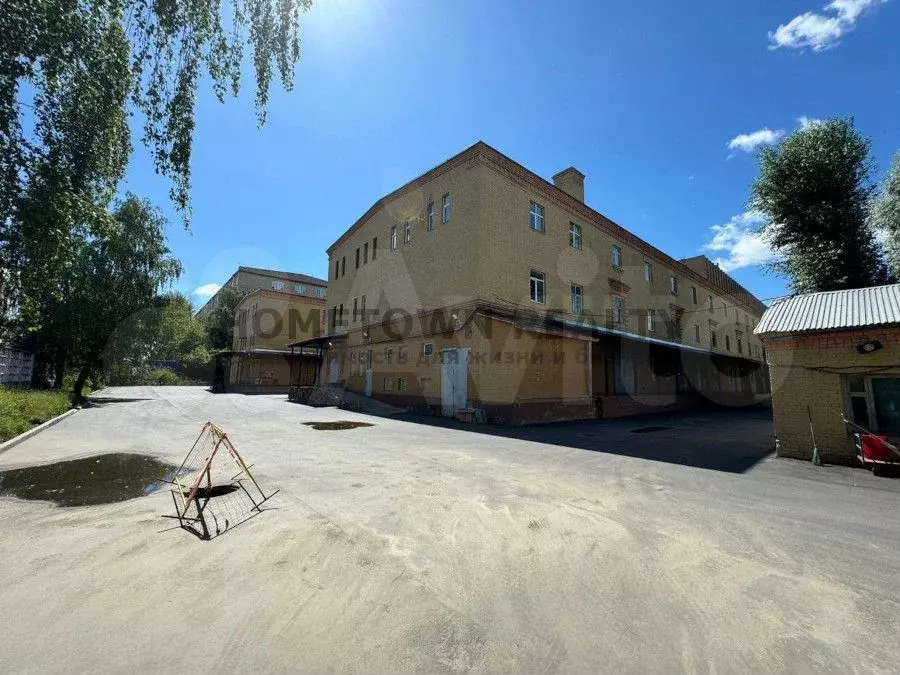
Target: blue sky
{"x": 659, "y": 103}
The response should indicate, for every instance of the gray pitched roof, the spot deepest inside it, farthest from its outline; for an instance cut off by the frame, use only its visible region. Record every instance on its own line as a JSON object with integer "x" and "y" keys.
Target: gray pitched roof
{"x": 292, "y": 276}
{"x": 832, "y": 310}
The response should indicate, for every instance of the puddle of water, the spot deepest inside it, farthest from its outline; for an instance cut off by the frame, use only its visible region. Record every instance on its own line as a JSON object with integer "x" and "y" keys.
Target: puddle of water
{"x": 101, "y": 479}
{"x": 647, "y": 430}
{"x": 336, "y": 426}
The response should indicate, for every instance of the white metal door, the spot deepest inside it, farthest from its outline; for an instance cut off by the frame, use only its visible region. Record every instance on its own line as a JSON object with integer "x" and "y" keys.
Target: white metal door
{"x": 454, "y": 380}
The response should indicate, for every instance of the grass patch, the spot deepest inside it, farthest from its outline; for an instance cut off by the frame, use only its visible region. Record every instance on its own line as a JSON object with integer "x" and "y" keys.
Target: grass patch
{"x": 22, "y": 409}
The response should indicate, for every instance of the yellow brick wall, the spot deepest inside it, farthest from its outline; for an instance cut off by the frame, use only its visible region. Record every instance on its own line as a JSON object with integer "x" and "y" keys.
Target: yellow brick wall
{"x": 282, "y": 318}
{"x": 809, "y": 371}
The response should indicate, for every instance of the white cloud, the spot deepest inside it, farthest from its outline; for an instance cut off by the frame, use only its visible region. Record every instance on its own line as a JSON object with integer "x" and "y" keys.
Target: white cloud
{"x": 820, "y": 31}
{"x": 739, "y": 244}
{"x": 749, "y": 142}
{"x": 806, "y": 122}
{"x": 207, "y": 290}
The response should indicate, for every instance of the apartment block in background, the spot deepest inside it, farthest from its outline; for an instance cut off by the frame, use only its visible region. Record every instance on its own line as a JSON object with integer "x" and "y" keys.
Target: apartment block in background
{"x": 481, "y": 290}
{"x": 266, "y": 323}
{"x": 256, "y": 278}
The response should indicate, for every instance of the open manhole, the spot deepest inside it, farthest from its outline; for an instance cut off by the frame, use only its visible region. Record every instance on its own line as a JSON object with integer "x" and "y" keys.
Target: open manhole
{"x": 214, "y": 491}
{"x": 649, "y": 430}
{"x": 336, "y": 426}
{"x": 100, "y": 479}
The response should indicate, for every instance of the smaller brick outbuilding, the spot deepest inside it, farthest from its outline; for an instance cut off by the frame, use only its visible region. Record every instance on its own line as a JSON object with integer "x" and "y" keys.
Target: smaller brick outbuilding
{"x": 831, "y": 353}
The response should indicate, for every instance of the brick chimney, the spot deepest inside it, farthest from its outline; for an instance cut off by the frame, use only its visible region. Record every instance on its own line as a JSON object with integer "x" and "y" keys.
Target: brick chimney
{"x": 571, "y": 181}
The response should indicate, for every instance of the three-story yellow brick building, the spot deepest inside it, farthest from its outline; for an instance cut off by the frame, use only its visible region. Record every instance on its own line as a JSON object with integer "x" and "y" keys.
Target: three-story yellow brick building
{"x": 480, "y": 289}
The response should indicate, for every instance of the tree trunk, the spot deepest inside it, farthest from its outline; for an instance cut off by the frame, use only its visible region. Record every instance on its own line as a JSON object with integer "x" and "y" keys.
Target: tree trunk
{"x": 59, "y": 373}
{"x": 79, "y": 382}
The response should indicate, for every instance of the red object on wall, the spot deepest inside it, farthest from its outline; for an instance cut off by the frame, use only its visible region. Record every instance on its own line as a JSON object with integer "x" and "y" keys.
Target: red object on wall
{"x": 874, "y": 450}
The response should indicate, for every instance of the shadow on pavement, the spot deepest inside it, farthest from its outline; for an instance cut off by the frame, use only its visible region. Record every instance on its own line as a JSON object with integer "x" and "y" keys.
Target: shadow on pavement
{"x": 721, "y": 440}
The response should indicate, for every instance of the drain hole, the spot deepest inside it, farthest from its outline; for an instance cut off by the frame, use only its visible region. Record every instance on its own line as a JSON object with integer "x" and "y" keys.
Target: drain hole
{"x": 336, "y": 426}
{"x": 649, "y": 430}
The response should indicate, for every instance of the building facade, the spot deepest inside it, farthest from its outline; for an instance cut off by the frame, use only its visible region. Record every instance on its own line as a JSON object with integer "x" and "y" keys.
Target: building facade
{"x": 481, "y": 289}
{"x": 833, "y": 354}
{"x": 266, "y": 322}
{"x": 256, "y": 278}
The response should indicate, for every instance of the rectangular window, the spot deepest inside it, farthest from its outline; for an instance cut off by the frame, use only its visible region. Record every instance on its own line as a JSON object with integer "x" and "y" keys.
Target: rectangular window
{"x": 343, "y": 265}
{"x": 393, "y": 237}
{"x": 341, "y": 314}
{"x": 651, "y": 320}
{"x": 355, "y": 309}
{"x": 445, "y": 208}
{"x": 618, "y": 310}
{"x": 710, "y": 303}
{"x": 401, "y": 354}
{"x": 428, "y": 349}
{"x": 320, "y": 292}
{"x": 648, "y": 272}
{"x": 389, "y": 384}
{"x": 740, "y": 346}
{"x": 728, "y": 342}
{"x": 536, "y": 217}
{"x": 429, "y": 216}
{"x": 713, "y": 341}
{"x": 389, "y": 355}
{"x": 673, "y": 285}
{"x": 278, "y": 285}
{"x": 362, "y": 308}
{"x": 694, "y": 294}
{"x": 697, "y": 333}
{"x": 357, "y": 257}
{"x": 365, "y": 253}
{"x": 537, "y": 286}
{"x": 374, "y": 248}
{"x": 616, "y": 256}
{"x": 402, "y": 384}
{"x": 337, "y": 268}
{"x": 300, "y": 289}
{"x": 577, "y": 297}
{"x": 575, "y": 235}
{"x": 407, "y": 231}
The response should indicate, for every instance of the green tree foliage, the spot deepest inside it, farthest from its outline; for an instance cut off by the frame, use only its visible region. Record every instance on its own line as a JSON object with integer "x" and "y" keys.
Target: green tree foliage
{"x": 886, "y": 214}
{"x": 165, "y": 334}
{"x": 814, "y": 189}
{"x": 111, "y": 275}
{"x": 220, "y": 322}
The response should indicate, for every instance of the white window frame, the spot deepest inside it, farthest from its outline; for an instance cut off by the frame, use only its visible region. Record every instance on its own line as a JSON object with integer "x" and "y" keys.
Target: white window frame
{"x": 389, "y": 384}
{"x": 651, "y": 320}
{"x": 402, "y": 384}
{"x": 710, "y": 302}
{"x": 446, "y": 208}
{"x": 300, "y": 289}
{"x": 537, "y": 287}
{"x": 648, "y": 272}
{"x": 577, "y": 299}
{"x": 575, "y": 240}
{"x": 616, "y": 256}
{"x": 429, "y": 216}
{"x": 427, "y": 349}
{"x": 407, "y": 231}
{"x": 536, "y": 217}
{"x": 673, "y": 284}
{"x": 393, "y": 237}
{"x": 277, "y": 285}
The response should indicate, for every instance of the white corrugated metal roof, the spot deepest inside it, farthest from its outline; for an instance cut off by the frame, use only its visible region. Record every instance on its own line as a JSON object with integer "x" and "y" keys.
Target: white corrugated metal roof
{"x": 832, "y": 310}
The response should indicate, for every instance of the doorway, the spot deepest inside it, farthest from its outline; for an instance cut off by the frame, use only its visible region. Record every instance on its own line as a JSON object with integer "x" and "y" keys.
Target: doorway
{"x": 454, "y": 380}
